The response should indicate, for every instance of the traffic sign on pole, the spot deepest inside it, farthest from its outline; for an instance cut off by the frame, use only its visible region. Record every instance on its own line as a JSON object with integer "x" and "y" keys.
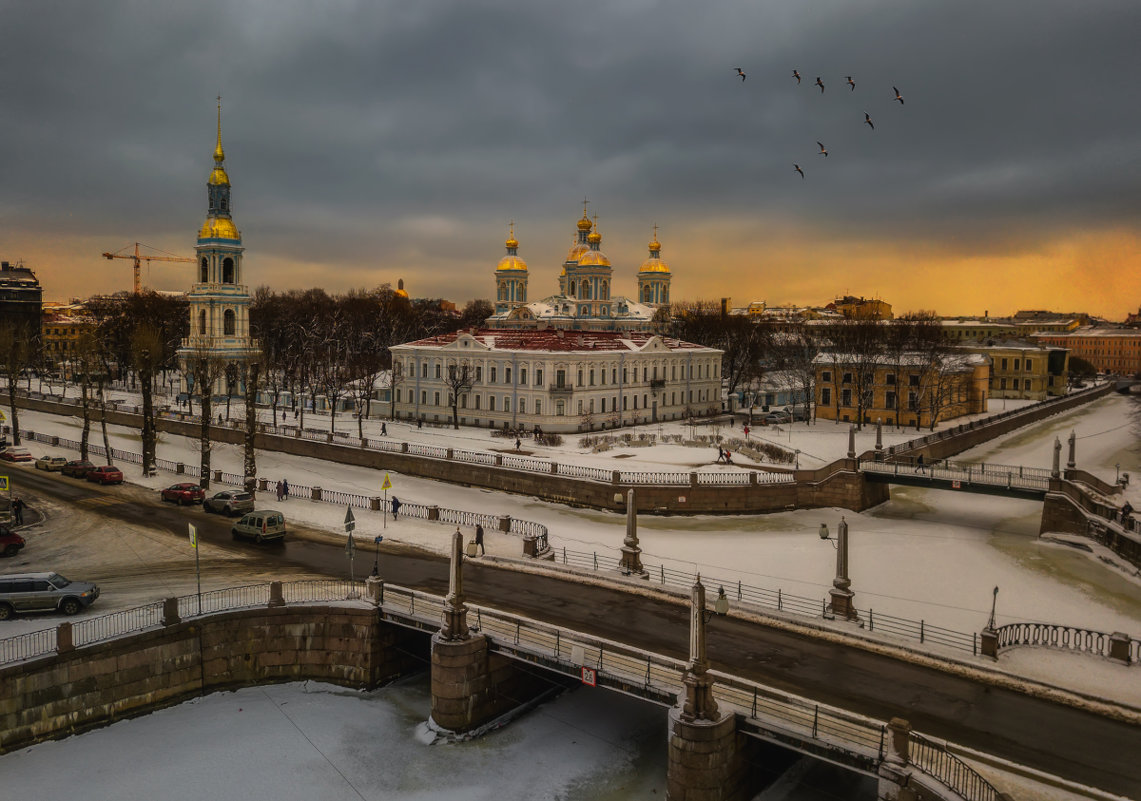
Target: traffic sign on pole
{"x": 350, "y": 521}
{"x": 387, "y": 483}
{"x": 4, "y": 484}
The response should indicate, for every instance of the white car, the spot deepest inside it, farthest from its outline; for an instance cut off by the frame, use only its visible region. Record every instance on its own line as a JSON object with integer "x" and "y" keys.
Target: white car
{"x": 51, "y": 463}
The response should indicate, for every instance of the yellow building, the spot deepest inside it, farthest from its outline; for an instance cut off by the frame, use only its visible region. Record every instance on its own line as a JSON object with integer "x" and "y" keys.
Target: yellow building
{"x": 911, "y": 392}
{"x": 60, "y": 336}
{"x": 1115, "y": 350}
{"x": 1025, "y": 371}
{"x": 861, "y": 308}
{"x": 967, "y": 330}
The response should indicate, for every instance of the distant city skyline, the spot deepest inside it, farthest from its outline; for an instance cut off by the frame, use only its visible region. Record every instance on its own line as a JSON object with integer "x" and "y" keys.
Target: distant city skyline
{"x": 368, "y": 143}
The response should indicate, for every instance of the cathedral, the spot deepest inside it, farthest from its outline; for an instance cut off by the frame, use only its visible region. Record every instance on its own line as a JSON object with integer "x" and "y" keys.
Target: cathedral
{"x": 584, "y": 301}
{"x": 219, "y": 344}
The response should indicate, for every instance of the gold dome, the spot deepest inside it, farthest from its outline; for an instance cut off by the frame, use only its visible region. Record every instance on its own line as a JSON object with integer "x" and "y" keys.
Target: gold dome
{"x": 219, "y": 228}
{"x": 400, "y": 293}
{"x": 576, "y": 251}
{"x": 511, "y": 263}
{"x": 218, "y": 176}
{"x": 593, "y": 258}
{"x": 594, "y": 238}
{"x": 585, "y": 224}
{"x": 654, "y": 266}
{"x": 511, "y": 242}
{"x": 655, "y": 245}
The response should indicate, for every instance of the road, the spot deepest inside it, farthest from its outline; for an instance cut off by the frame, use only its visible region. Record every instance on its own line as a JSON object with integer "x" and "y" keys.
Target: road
{"x": 1077, "y": 745}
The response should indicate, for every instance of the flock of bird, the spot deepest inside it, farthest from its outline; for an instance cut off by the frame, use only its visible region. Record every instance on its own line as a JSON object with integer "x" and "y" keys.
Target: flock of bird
{"x": 820, "y": 82}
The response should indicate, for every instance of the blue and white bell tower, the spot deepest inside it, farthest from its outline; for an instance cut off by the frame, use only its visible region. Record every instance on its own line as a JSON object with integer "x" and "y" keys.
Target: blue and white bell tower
{"x": 219, "y": 301}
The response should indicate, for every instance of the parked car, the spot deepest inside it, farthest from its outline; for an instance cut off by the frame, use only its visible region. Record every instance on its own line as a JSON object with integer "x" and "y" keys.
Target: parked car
{"x": 776, "y": 417}
{"x": 44, "y": 592}
{"x": 51, "y": 463}
{"x": 10, "y": 542}
{"x": 798, "y": 413}
{"x": 14, "y": 454}
{"x": 184, "y": 494}
{"x": 107, "y": 474}
{"x": 260, "y": 526}
{"x": 229, "y": 502}
{"x": 77, "y": 468}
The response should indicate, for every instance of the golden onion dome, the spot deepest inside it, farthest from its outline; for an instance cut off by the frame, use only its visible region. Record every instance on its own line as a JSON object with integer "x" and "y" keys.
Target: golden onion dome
{"x": 593, "y": 258}
{"x": 576, "y": 251}
{"x": 400, "y": 293}
{"x": 218, "y": 176}
{"x": 594, "y": 238}
{"x": 219, "y": 228}
{"x": 511, "y": 262}
{"x": 585, "y": 224}
{"x": 512, "y": 242}
{"x": 655, "y": 245}
{"x": 654, "y": 266}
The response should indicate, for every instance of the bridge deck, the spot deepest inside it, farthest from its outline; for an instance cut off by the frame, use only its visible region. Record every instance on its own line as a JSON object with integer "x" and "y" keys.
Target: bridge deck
{"x": 1017, "y": 481}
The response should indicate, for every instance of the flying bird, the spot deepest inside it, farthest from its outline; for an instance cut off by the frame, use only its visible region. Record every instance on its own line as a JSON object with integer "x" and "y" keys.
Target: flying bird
{"x": 820, "y": 83}
{"x": 898, "y": 96}
{"x": 823, "y": 152}
{"x": 740, "y": 72}
{"x": 797, "y": 168}
{"x": 851, "y": 83}
{"x": 796, "y": 74}
{"x": 868, "y": 120}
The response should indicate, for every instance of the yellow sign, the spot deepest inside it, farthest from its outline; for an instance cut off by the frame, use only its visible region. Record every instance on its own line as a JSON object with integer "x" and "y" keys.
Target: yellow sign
{"x": 3, "y": 418}
{"x": 4, "y": 484}
{"x": 387, "y": 482}
{"x": 193, "y": 535}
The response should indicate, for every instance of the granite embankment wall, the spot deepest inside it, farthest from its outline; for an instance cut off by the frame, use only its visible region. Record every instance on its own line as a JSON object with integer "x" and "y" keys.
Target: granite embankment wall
{"x": 75, "y": 690}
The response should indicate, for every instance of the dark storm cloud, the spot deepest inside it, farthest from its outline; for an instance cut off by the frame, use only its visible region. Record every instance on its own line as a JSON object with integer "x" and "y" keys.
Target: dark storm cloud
{"x": 343, "y": 121}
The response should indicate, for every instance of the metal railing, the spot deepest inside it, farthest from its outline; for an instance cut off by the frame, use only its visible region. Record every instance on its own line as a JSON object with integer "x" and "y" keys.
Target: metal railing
{"x": 105, "y": 627}
{"x": 1067, "y": 638}
{"x": 936, "y": 761}
{"x": 1015, "y": 476}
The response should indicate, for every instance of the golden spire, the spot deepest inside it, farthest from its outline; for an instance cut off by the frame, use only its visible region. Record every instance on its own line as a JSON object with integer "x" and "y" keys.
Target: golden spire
{"x": 584, "y": 224}
{"x": 512, "y": 242}
{"x": 219, "y": 154}
{"x": 655, "y": 245}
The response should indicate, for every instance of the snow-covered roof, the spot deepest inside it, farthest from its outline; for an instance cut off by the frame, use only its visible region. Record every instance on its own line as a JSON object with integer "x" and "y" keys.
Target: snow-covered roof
{"x": 558, "y": 340}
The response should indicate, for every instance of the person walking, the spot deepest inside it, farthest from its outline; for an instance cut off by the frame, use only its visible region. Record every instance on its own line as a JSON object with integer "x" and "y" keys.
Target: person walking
{"x": 746, "y": 432}
{"x": 479, "y": 538}
{"x": 18, "y": 511}
{"x": 420, "y": 423}
{"x": 285, "y": 489}
{"x": 518, "y": 443}
{"x": 383, "y": 430}
{"x": 728, "y": 457}
{"x": 395, "y": 507}
{"x": 279, "y": 495}
{"x": 720, "y": 454}
{"x": 919, "y": 463}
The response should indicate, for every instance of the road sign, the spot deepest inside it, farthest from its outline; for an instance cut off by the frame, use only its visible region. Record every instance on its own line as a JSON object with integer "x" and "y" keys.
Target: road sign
{"x": 193, "y": 535}
{"x": 387, "y": 484}
{"x": 4, "y": 484}
{"x": 955, "y": 485}
{"x": 589, "y": 677}
{"x": 350, "y": 521}
{"x": 378, "y": 539}
{"x": 3, "y": 418}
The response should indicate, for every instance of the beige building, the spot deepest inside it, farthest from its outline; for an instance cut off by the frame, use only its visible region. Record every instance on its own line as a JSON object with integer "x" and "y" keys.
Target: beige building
{"x": 910, "y": 392}
{"x": 1019, "y": 370}
{"x": 1115, "y": 350}
{"x": 561, "y": 381}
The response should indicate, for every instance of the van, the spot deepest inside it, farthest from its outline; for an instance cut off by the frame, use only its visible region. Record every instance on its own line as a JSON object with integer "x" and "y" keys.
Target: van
{"x": 43, "y": 592}
{"x": 260, "y": 526}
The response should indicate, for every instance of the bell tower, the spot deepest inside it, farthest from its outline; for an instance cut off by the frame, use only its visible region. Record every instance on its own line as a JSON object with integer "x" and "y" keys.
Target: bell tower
{"x": 219, "y": 301}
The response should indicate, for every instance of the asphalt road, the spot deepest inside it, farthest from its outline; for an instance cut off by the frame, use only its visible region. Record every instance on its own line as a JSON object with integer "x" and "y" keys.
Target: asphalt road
{"x": 1077, "y": 745}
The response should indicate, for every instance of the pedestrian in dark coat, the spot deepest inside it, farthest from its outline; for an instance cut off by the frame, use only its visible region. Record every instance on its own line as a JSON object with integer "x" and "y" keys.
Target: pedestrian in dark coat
{"x": 285, "y": 489}
{"x": 479, "y": 538}
{"x": 919, "y": 462}
{"x": 383, "y": 430}
{"x": 18, "y": 511}
{"x": 279, "y": 495}
{"x": 395, "y": 507}
{"x": 720, "y": 453}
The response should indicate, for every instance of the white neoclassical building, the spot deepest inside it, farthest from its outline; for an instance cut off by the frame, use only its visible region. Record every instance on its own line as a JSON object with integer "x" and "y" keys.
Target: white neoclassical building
{"x": 561, "y": 380}
{"x": 219, "y": 301}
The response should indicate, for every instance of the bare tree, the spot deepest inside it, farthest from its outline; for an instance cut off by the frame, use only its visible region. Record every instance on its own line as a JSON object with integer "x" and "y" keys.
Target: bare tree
{"x": 204, "y": 368}
{"x": 147, "y": 353}
{"x": 459, "y": 381}
{"x": 253, "y": 371}
{"x": 15, "y": 355}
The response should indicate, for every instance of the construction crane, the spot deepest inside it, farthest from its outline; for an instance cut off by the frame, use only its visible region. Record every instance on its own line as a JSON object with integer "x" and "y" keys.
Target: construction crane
{"x": 137, "y": 258}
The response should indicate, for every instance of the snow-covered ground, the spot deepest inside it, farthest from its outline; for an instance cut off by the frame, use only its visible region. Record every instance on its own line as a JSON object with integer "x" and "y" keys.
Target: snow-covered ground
{"x": 929, "y": 554}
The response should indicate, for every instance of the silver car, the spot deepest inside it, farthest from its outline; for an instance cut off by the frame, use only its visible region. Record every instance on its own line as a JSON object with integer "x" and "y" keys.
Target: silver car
{"x": 43, "y": 592}
{"x": 230, "y": 502}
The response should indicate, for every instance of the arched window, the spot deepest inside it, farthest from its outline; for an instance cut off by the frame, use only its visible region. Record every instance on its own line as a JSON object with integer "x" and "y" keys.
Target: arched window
{"x": 585, "y": 290}
{"x": 204, "y": 273}
{"x": 202, "y": 322}
{"x": 227, "y": 270}
{"x": 228, "y": 323}
{"x": 646, "y": 293}
{"x": 571, "y": 293}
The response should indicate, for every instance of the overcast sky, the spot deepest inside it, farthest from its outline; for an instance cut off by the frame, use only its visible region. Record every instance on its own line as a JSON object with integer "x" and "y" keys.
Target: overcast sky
{"x": 371, "y": 141}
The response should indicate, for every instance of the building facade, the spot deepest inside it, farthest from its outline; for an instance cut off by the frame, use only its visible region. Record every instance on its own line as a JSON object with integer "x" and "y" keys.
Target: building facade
{"x": 1025, "y": 371}
{"x": 585, "y": 301}
{"x": 909, "y": 392}
{"x": 21, "y": 300}
{"x": 219, "y": 346}
{"x": 559, "y": 380}
{"x": 1113, "y": 350}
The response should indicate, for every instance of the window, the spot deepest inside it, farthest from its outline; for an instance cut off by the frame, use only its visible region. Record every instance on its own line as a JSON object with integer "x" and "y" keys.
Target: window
{"x": 673, "y": 372}
{"x": 847, "y": 378}
{"x": 604, "y": 405}
{"x": 204, "y": 273}
{"x": 479, "y": 373}
{"x": 538, "y": 406}
{"x": 538, "y": 378}
{"x": 202, "y": 322}
{"x": 846, "y": 397}
{"x": 826, "y": 375}
{"x": 1026, "y": 383}
{"x": 614, "y": 375}
{"x": 580, "y": 408}
{"x": 1002, "y": 383}
{"x": 560, "y": 408}
{"x": 424, "y": 397}
{"x": 522, "y": 406}
{"x": 580, "y": 377}
{"x": 424, "y": 370}
{"x": 889, "y": 379}
{"x": 1029, "y": 364}
{"x": 506, "y": 403}
{"x": 592, "y": 377}
{"x": 463, "y": 401}
{"x": 1004, "y": 364}
{"x": 624, "y": 379}
{"x": 436, "y": 399}
{"x": 645, "y": 374}
{"x": 492, "y": 375}
{"x": 635, "y": 402}
{"x": 229, "y": 322}
{"x": 912, "y": 401}
{"x": 227, "y": 270}
{"x": 889, "y": 400}
{"x": 1016, "y": 361}
{"x": 438, "y": 368}
{"x": 507, "y": 375}
{"x": 523, "y": 376}
{"x": 478, "y": 399}
{"x": 913, "y": 381}
{"x": 561, "y": 379}
{"x": 491, "y": 403}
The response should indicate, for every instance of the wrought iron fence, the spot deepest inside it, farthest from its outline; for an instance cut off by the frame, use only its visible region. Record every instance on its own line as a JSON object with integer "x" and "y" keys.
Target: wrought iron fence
{"x": 935, "y": 760}
{"x": 116, "y": 624}
{"x": 27, "y": 646}
{"x": 221, "y": 600}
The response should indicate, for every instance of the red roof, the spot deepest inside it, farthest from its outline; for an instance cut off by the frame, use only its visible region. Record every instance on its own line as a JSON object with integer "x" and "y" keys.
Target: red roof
{"x": 557, "y": 340}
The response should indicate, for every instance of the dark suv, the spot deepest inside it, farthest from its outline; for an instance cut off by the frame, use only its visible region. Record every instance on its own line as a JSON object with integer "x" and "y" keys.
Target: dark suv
{"x": 10, "y": 542}
{"x": 43, "y": 592}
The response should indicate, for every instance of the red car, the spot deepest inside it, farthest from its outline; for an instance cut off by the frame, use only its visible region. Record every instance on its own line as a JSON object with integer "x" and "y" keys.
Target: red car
{"x": 77, "y": 468}
{"x": 184, "y": 493}
{"x": 16, "y": 455}
{"x": 107, "y": 474}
